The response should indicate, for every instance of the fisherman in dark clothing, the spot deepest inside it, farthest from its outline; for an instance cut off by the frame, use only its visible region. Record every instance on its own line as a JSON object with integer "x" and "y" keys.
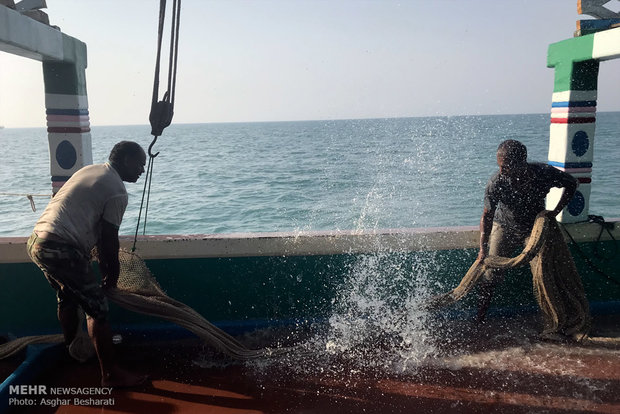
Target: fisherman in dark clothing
{"x": 513, "y": 197}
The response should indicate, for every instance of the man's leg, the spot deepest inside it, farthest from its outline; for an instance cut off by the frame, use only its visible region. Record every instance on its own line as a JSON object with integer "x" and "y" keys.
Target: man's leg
{"x": 111, "y": 374}
{"x": 93, "y": 301}
{"x": 71, "y": 275}
{"x": 68, "y": 316}
{"x": 485, "y": 294}
{"x": 53, "y": 259}
{"x": 501, "y": 243}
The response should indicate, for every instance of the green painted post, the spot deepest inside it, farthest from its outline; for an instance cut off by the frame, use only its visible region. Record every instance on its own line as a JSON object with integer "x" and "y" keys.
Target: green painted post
{"x": 573, "y": 120}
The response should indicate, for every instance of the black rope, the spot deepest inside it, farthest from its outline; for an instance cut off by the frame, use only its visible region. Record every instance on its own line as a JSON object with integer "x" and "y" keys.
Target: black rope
{"x": 584, "y": 256}
{"x": 149, "y": 173}
{"x": 174, "y": 50}
{"x": 161, "y": 111}
{"x": 148, "y": 193}
{"x": 604, "y": 226}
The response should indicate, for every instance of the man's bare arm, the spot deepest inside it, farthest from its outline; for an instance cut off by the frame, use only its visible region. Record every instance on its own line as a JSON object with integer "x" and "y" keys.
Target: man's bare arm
{"x": 569, "y": 186}
{"x": 486, "y": 224}
{"x": 108, "y": 255}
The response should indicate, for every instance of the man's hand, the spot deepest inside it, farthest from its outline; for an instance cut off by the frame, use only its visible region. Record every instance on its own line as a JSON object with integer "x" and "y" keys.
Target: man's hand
{"x": 108, "y": 283}
{"x": 569, "y": 187}
{"x": 551, "y": 213}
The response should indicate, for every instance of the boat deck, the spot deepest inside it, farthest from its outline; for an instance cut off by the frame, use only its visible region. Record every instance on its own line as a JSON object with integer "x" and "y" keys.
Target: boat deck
{"x": 498, "y": 368}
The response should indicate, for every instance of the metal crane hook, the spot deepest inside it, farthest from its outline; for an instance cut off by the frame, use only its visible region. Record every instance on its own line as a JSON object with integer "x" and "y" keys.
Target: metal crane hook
{"x": 151, "y": 148}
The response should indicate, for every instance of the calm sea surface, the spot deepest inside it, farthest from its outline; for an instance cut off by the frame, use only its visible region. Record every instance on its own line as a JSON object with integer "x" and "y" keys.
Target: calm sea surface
{"x": 315, "y": 175}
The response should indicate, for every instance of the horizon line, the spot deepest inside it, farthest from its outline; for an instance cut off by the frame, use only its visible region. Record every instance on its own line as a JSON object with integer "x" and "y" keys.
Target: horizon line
{"x": 307, "y": 120}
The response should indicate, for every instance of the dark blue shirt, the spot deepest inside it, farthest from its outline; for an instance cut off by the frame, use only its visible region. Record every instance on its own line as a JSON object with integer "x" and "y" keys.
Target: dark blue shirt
{"x": 517, "y": 201}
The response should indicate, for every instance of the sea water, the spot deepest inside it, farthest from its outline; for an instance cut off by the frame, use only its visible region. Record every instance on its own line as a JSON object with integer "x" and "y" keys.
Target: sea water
{"x": 310, "y": 175}
{"x": 321, "y": 175}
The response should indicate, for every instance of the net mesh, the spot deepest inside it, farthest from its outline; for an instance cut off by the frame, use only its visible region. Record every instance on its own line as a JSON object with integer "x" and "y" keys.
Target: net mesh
{"x": 135, "y": 277}
{"x": 556, "y": 282}
{"x": 137, "y": 290}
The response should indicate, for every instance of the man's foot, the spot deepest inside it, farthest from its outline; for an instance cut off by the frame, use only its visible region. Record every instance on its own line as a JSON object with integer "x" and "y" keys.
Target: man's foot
{"x": 81, "y": 348}
{"x": 580, "y": 338}
{"x": 554, "y": 337}
{"x": 120, "y": 378}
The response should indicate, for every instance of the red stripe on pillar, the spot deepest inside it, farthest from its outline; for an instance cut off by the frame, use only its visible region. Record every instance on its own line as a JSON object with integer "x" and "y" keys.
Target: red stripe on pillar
{"x": 68, "y": 130}
{"x": 573, "y": 120}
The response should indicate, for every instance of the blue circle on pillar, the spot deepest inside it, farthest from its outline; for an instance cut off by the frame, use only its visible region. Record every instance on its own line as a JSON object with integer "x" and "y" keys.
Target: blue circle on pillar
{"x": 577, "y": 204}
{"x": 580, "y": 143}
{"x": 66, "y": 156}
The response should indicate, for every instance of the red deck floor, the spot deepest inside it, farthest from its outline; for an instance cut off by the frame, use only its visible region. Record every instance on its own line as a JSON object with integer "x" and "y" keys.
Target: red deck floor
{"x": 506, "y": 376}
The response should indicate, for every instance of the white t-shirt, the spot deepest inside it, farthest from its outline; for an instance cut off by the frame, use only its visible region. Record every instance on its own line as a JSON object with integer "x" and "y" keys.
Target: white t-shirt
{"x": 93, "y": 193}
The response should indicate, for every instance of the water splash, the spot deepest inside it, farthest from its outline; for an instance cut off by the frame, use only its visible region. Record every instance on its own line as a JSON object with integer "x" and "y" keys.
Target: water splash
{"x": 378, "y": 320}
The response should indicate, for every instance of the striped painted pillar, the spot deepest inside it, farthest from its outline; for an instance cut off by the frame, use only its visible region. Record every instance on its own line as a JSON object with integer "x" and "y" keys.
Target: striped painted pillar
{"x": 573, "y": 112}
{"x": 571, "y": 139}
{"x": 64, "y": 75}
{"x": 68, "y": 125}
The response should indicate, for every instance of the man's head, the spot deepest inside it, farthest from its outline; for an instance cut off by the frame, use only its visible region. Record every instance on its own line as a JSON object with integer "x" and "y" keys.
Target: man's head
{"x": 128, "y": 159}
{"x": 511, "y": 158}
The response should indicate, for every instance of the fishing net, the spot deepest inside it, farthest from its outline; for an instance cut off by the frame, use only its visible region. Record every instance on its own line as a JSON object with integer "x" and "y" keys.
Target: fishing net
{"x": 137, "y": 290}
{"x": 557, "y": 285}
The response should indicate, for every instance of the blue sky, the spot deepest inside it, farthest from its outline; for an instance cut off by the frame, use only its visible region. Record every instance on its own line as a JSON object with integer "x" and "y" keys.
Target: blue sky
{"x": 274, "y": 60}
